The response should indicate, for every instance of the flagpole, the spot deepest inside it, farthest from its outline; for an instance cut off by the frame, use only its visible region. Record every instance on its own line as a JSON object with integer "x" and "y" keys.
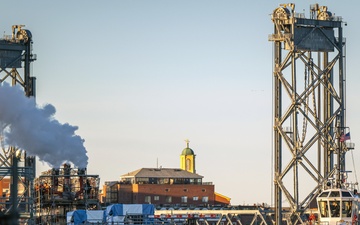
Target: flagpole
{"x": 339, "y": 144}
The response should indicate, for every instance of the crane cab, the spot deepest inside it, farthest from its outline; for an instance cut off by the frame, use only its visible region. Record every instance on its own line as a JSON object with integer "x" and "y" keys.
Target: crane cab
{"x": 337, "y": 206}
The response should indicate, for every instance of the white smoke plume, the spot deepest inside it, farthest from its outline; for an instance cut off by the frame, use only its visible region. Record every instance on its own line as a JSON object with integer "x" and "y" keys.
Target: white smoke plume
{"x": 35, "y": 130}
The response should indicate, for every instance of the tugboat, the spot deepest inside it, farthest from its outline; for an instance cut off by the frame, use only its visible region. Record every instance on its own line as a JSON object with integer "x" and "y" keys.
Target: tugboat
{"x": 338, "y": 206}
{"x": 338, "y": 203}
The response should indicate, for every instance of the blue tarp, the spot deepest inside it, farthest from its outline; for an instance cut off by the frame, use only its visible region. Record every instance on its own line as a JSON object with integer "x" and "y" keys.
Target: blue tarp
{"x": 77, "y": 217}
{"x": 113, "y": 213}
{"x": 118, "y": 213}
{"x": 125, "y": 209}
{"x": 81, "y": 216}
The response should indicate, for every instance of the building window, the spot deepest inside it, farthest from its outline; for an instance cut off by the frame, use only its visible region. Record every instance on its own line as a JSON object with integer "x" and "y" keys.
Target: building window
{"x": 153, "y": 181}
{"x": 156, "y": 198}
{"x": 148, "y": 199}
{"x": 168, "y": 199}
{"x": 127, "y": 180}
{"x": 164, "y": 181}
{"x": 195, "y": 198}
{"x": 184, "y": 199}
{"x": 205, "y": 199}
{"x": 142, "y": 180}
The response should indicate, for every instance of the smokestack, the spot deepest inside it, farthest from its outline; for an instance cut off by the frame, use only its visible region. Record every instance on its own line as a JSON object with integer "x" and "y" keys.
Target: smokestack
{"x": 55, "y": 178}
{"x": 67, "y": 169}
{"x": 81, "y": 173}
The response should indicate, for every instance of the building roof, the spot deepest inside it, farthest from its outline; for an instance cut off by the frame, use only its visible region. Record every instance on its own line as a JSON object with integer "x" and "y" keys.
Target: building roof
{"x": 222, "y": 196}
{"x": 161, "y": 173}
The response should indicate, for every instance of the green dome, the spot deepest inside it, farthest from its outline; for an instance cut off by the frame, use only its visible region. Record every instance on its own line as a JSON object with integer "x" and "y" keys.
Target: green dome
{"x": 187, "y": 151}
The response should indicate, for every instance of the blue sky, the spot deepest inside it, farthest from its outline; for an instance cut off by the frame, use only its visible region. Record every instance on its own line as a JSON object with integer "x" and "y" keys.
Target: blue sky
{"x": 140, "y": 77}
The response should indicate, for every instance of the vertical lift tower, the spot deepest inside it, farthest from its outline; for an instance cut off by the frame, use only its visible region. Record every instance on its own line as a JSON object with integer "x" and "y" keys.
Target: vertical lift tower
{"x": 15, "y": 59}
{"x": 308, "y": 106}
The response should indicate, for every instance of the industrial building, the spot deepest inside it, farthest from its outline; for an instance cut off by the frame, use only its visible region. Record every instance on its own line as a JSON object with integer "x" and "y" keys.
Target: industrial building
{"x": 61, "y": 190}
{"x": 181, "y": 187}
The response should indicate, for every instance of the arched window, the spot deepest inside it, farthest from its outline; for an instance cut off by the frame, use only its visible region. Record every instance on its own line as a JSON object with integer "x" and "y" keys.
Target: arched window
{"x": 188, "y": 164}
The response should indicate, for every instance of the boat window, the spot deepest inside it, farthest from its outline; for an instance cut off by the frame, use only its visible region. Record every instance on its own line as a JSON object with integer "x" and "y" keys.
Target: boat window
{"x": 335, "y": 208}
{"x": 346, "y": 208}
{"x": 346, "y": 194}
{"x": 323, "y": 208}
{"x": 324, "y": 194}
{"x": 335, "y": 194}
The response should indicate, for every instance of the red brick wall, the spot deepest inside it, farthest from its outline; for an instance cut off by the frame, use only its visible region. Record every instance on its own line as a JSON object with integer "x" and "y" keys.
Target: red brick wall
{"x": 138, "y": 192}
{"x": 125, "y": 194}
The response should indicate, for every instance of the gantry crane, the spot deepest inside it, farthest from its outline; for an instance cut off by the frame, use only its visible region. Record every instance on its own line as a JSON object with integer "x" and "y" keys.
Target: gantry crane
{"x": 309, "y": 106}
{"x": 15, "y": 166}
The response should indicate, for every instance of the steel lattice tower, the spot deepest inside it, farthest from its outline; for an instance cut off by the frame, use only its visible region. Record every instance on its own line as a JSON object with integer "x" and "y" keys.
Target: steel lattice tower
{"x": 308, "y": 106}
{"x": 15, "y": 59}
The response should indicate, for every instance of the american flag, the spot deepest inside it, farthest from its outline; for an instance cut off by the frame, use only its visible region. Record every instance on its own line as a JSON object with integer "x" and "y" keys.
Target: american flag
{"x": 345, "y": 137}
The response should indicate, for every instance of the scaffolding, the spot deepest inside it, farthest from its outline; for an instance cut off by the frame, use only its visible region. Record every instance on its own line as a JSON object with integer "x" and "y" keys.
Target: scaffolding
{"x": 65, "y": 189}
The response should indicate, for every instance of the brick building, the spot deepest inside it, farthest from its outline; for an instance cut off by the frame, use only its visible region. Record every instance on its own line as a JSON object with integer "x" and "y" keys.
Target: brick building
{"x": 165, "y": 186}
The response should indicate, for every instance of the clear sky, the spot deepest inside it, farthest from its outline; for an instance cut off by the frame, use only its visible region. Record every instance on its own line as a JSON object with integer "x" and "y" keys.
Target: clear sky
{"x": 140, "y": 77}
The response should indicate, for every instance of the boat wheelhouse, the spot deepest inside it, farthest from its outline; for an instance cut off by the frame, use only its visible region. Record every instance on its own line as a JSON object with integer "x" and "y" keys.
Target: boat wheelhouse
{"x": 337, "y": 206}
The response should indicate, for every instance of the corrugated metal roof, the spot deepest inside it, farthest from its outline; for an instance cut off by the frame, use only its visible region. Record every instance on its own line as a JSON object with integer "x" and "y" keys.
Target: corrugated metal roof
{"x": 162, "y": 173}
